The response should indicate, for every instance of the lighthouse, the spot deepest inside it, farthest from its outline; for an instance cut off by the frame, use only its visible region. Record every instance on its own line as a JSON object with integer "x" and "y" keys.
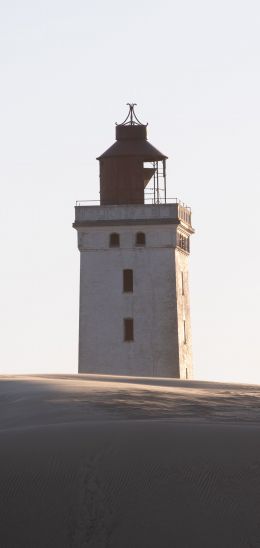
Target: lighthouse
{"x": 134, "y": 315}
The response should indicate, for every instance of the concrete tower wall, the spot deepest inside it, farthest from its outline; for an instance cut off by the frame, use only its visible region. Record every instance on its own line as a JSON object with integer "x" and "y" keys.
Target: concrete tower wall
{"x": 158, "y": 304}
{"x": 183, "y": 313}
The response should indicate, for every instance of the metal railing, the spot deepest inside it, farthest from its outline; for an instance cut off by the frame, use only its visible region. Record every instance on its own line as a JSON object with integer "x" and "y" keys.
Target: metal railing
{"x": 147, "y": 201}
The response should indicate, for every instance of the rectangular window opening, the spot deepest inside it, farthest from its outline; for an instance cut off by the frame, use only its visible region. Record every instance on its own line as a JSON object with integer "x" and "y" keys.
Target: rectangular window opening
{"x": 183, "y": 242}
{"x": 140, "y": 238}
{"x": 184, "y": 332}
{"x": 114, "y": 240}
{"x": 182, "y": 283}
{"x": 128, "y": 281}
{"x": 128, "y": 329}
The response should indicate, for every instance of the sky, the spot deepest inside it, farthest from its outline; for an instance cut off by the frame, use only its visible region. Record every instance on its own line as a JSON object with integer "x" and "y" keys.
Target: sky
{"x": 67, "y": 71}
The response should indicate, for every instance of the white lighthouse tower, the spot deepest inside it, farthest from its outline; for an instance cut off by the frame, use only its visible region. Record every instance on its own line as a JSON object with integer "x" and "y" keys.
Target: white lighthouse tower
{"x": 134, "y": 265}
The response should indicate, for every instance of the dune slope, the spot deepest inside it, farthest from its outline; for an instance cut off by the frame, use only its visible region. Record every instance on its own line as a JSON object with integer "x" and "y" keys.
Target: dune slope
{"x": 96, "y": 461}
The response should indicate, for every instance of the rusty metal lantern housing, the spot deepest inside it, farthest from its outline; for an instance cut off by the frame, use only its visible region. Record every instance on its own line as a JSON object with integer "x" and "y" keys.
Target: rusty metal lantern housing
{"x": 124, "y": 173}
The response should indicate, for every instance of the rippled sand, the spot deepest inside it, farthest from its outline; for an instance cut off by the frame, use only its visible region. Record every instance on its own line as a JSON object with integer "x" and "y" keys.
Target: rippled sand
{"x": 95, "y": 461}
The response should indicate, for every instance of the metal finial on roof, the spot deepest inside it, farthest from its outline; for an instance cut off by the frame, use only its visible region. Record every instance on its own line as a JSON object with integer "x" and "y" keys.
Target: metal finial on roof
{"x": 131, "y": 119}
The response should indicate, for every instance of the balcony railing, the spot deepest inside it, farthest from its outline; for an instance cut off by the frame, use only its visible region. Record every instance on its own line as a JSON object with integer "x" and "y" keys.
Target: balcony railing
{"x": 147, "y": 201}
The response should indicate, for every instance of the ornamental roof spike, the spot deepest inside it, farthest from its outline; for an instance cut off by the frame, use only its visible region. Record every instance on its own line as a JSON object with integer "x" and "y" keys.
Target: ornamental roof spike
{"x": 131, "y": 119}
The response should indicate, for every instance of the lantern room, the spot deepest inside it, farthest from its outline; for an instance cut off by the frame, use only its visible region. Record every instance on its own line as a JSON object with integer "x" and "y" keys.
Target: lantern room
{"x": 132, "y": 170}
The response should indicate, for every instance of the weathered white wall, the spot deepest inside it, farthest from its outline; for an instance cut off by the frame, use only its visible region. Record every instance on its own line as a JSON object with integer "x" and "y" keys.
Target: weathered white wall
{"x": 156, "y": 304}
{"x": 183, "y": 313}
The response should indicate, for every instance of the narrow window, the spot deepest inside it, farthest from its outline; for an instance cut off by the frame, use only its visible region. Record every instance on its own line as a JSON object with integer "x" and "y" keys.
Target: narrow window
{"x": 183, "y": 242}
{"x": 128, "y": 281}
{"x": 128, "y": 329}
{"x": 184, "y": 332}
{"x": 186, "y": 373}
{"x": 182, "y": 283}
{"x": 114, "y": 240}
{"x": 140, "y": 238}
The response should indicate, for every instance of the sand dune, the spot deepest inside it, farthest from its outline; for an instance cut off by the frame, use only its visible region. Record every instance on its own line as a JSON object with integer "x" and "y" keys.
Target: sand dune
{"x": 112, "y": 462}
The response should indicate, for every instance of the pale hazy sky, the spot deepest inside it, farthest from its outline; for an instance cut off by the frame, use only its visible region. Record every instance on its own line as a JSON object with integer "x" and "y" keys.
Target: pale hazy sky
{"x": 67, "y": 70}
